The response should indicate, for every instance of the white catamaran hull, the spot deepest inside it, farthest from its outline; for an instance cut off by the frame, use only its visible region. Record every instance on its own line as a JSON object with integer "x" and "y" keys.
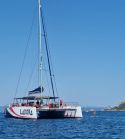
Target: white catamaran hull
{"x": 75, "y": 112}
{"x": 28, "y": 112}
{"x": 21, "y": 112}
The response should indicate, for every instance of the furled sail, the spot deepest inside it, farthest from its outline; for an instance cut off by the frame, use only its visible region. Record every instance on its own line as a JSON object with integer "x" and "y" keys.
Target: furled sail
{"x": 36, "y": 91}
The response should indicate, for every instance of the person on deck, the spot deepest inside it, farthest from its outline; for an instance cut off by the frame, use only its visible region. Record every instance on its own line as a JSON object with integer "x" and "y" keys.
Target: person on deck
{"x": 61, "y": 102}
{"x": 37, "y": 104}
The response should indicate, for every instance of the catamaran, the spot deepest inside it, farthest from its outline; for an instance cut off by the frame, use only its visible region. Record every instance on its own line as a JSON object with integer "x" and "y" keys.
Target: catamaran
{"x": 36, "y": 105}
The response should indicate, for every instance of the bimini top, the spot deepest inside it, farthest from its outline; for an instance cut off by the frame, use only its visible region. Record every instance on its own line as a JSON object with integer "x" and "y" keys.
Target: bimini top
{"x": 36, "y": 97}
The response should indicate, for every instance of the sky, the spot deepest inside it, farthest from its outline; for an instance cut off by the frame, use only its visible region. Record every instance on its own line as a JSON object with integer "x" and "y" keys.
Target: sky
{"x": 87, "y": 43}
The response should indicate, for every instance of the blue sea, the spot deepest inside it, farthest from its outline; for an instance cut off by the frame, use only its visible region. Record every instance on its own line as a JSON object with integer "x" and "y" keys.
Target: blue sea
{"x": 105, "y": 125}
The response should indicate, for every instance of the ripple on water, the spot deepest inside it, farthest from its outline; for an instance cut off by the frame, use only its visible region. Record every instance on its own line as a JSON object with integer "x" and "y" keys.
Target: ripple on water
{"x": 105, "y": 125}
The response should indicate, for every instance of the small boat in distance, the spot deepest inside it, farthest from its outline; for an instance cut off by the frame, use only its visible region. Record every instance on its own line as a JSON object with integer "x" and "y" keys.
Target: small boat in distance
{"x": 35, "y": 105}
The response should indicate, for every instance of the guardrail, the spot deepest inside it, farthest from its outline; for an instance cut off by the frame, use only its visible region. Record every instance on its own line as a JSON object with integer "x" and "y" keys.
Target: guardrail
{"x": 70, "y": 104}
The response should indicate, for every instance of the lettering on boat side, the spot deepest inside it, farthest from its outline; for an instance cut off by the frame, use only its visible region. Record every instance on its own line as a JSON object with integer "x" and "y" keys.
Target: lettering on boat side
{"x": 26, "y": 112}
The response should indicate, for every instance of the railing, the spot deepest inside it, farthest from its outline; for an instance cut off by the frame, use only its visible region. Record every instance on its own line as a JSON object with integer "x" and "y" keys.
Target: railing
{"x": 74, "y": 104}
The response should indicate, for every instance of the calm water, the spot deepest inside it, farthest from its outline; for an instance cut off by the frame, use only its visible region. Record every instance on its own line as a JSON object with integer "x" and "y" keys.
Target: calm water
{"x": 105, "y": 125}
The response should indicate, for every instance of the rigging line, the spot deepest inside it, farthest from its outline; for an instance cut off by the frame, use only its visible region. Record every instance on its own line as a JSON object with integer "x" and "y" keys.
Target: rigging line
{"x": 53, "y": 72}
{"x": 46, "y": 71}
{"x": 53, "y": 75}
{"x": 52, "y": 68}
{"x": 56, "y": 87}
{"x": 30, "y": 78}
{"x": 25, "y": 53}
{"x": 50, "y": 72}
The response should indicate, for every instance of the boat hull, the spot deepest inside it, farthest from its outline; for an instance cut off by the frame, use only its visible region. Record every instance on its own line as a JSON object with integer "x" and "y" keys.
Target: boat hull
{"x": 50, "y": 113}
{"x": 63, "y": 112}
{"x": 21, "y": 112}
{"x": 28, "y": 112}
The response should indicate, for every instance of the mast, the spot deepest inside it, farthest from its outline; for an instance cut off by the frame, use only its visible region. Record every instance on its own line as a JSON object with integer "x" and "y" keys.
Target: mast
{"x": 42, "y": 25}
{"x": 40, "y": 46}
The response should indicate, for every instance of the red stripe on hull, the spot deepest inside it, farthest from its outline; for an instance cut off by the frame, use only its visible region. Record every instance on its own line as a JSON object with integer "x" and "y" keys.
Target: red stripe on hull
{"x": 19, "y": 116}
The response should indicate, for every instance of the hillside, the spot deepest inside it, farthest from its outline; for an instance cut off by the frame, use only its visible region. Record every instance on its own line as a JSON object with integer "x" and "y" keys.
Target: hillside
{"x": 121, "y": 106}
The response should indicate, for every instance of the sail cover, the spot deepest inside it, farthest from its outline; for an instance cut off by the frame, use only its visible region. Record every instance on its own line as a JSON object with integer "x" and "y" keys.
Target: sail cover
{"x": 36, "y": 91}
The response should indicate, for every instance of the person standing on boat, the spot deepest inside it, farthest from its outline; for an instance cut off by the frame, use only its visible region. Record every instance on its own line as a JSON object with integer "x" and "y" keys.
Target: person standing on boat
{"x": 61, "y": 102}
